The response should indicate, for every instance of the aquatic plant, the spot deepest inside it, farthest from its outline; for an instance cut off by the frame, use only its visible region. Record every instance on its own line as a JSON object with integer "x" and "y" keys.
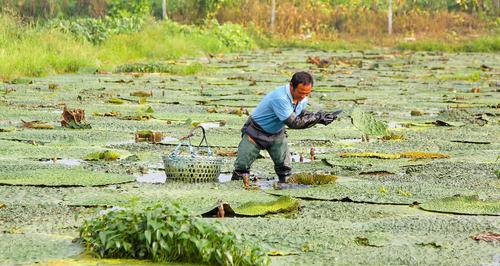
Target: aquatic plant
{"x": 74, "y": 119}
{"x": 36, "y": 124}
{"x": 463, "y": 204}
{"x": 167, "y": 233}
{"x": 312, "y": 179}
{"x": 408, "y": 154}
{"x": 370, "y": 155}
{"x": 423, "y": 155}
{"x": 158, "y": 67}
{"x": 116, "y": 101}
{"x": 281, "y": 205}
{"x": 103, "y": 156}
{"x": 367, "y": 124}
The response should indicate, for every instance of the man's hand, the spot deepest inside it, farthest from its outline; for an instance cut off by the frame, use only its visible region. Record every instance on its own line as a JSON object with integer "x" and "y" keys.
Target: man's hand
{"x": 327, "y": 118}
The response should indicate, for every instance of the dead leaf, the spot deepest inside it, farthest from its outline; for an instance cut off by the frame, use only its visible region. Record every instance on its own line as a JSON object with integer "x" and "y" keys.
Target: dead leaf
{"x": 487, "y": 236}
{"x": 36, "y": 125}
{"x": 74, "y": 119}
{"x": 321, "y": 63}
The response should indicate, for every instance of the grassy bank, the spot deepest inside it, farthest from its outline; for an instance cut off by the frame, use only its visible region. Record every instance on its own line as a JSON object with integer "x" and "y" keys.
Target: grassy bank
{"x": 36, "y": 51}
{"x": 27, "y": 50}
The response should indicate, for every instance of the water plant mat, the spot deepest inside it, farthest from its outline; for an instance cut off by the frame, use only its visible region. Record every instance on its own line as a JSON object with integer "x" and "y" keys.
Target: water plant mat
{"x": 464, "y": 205}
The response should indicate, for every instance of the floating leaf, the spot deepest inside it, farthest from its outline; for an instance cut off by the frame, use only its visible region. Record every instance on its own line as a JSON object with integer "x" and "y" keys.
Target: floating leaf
{"x": 463, "y": 205}
{"x": 423, "y": 155}
{"x": 62, "y": 177}
{"x": 53, "y": 86}
{"x": 74, "y": 119}
{"x": 107, "y": 155}
{"x": 320, "y": 62}
{"x": 116, "y": 101}
{"x": 367, "y": 124}
{"x": 148, "y": 136}
{"x": 281, "y": 253}
{"x": 487, "y": 236}
{"x": 372, "y": 240}
{"x": 281, "y": 205}
{"x": 445, "y": 123}
{"x": 36, "y": 125}
{"x": 142, "y": 117}
{"x": 312, "y": 179}
{"x": 370, "y": 155}
{"x": 142, "y": 93}
{"x": 143, "y": 100}
{"x": 107, "y": 114}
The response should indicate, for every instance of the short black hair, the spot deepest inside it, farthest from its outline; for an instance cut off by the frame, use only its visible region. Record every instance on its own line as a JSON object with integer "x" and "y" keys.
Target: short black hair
{"x": 301, "y": 77}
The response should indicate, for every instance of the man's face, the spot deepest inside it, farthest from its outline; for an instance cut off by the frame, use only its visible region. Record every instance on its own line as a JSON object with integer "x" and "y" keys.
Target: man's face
{"x": 301, "y": 91}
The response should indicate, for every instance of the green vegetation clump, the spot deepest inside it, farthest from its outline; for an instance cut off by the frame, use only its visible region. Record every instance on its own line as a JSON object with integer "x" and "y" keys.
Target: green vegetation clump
{"x": 312, "y": 179}
{"x": 486, "y": 44}
{"x": 166, "y": 233}
{"x": 103, "y": 156}
{"x": 281, "y": 205}
{"x": 161, "y": 68}
{"x": 367, "y": 124}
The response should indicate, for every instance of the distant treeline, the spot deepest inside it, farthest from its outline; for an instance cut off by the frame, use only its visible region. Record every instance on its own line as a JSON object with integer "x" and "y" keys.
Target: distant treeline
{"x": 198, "y": 10}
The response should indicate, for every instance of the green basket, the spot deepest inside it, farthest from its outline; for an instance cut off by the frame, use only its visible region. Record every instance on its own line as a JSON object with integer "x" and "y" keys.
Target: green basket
{"x": 194, "y": 168}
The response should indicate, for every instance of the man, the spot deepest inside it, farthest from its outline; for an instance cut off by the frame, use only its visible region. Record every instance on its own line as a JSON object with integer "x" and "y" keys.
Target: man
{"x": 265, "y": 128}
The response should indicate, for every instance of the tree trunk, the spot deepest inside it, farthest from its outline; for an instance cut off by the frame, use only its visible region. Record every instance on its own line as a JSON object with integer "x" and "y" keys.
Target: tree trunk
{"x": 164, "y": 9}
{"x": 389, "y": 18}
{"x": 273, "y": 15}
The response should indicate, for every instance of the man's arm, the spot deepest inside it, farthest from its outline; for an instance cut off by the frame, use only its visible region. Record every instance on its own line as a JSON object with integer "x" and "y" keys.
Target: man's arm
{"x": 308, "y": 119}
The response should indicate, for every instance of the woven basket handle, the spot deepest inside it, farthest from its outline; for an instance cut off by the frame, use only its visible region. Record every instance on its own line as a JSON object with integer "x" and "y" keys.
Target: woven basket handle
{"x": 178, "y": 150}
{"x": 204, "y": 138}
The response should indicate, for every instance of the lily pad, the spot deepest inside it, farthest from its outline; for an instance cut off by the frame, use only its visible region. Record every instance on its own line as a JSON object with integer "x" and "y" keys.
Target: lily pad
{"x": 31, "y": 248}
{"x": 281, "y": 205}
{"x": 312, "y": 179}
{"x": 463, "y": 205}
{"x": 107, "y": 155}
{"x": 60, "y": 177}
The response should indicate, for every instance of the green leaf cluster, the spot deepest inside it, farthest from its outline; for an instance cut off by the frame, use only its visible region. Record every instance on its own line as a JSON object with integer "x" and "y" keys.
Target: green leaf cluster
{"x": 167, "y": 233}
{"x": 367, "y": 123}
{"x": 97, "y": 30}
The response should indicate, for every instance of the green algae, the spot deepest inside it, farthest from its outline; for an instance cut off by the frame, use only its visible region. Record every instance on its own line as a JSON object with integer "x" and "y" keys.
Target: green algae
{"x": 463, "y": 205}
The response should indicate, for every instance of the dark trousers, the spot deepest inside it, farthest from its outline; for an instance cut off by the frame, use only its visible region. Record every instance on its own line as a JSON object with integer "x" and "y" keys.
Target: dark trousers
{"x": 248, "y": 151}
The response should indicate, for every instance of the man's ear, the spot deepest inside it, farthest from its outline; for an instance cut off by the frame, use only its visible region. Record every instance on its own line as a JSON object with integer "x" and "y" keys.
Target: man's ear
{"x": 291, "y": 86}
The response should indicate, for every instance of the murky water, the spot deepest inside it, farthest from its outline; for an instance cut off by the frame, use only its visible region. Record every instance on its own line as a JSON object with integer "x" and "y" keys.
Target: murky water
{"x": 153, "y": 177}
{"x": 67, "y": 162}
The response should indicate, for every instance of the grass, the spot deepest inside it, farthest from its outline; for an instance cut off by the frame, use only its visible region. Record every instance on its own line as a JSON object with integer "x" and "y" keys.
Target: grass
{"x": 54, "y": 52}
{"x": 486, "y": 44}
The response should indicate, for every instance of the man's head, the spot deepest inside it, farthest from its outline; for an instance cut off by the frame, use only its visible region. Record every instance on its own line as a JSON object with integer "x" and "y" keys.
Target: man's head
{"x": 301, "y": 85}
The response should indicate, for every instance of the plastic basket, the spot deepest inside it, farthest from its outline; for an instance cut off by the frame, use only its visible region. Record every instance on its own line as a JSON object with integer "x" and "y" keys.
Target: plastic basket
{"x": 194, "y": 168}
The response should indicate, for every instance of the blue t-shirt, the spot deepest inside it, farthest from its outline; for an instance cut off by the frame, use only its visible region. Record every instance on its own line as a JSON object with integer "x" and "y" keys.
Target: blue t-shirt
{"x": 275, "y": 108}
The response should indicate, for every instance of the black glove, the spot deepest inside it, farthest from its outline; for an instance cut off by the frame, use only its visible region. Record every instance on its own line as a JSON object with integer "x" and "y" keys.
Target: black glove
{"x": 327, "y": 118}
{"x": 304, "y": 120}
